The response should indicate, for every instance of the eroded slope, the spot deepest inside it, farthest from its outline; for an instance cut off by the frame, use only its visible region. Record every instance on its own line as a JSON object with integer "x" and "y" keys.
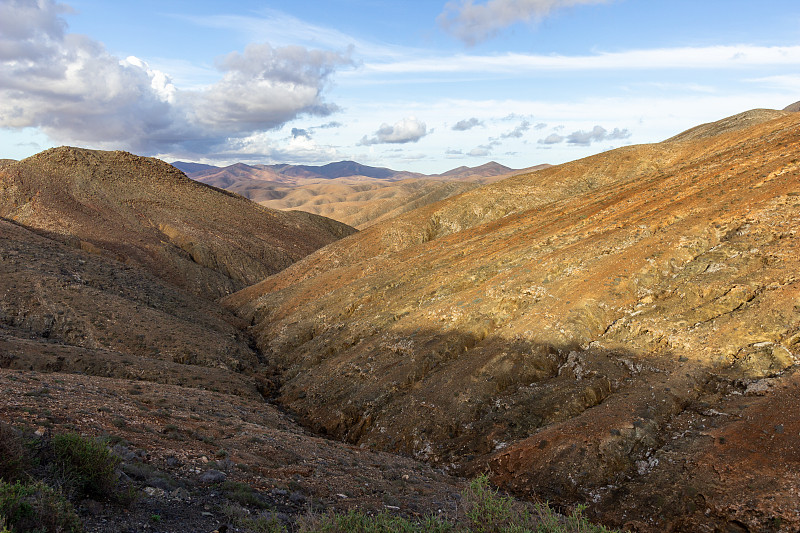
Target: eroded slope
{"x": 577, "y": 330}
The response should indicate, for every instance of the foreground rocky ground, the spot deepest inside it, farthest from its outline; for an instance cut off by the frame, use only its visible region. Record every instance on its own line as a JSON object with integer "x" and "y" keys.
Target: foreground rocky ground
{"x": 198, "y": 459}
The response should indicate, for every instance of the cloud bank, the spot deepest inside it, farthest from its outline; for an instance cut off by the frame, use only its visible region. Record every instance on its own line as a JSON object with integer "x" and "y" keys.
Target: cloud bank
{"x": 407, "y": 130}
{"x": 75, "y": 91}
{"x": 473, "y": 23}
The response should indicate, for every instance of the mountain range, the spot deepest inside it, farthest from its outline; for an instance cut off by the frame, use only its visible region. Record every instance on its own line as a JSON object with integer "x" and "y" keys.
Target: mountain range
{"x": 346, "y": 191}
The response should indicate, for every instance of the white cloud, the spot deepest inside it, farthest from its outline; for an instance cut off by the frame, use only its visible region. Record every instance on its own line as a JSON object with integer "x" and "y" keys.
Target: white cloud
{"x": 585, "y": 138}
{"x": 266, "y": 87}
{"x": 707, "y": 57}
{"x": 75, "y": 91}
{"x": 517, "y": 132}
{"x": 259, "y": 148}
{"x": 480, "y": 151}
{"x": 553, "y": 138}
{"x": 785, "y": 81}
{"x": 406, "y": 131}
{"x": 467, "y": 124}
{"x": 473, "y": 23}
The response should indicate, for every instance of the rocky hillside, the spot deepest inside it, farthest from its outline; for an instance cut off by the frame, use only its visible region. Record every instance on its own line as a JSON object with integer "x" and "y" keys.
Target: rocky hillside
{"x": 144, "y": 212}
{"x": 105, "y": 332}
{"x": 622, "y": 329}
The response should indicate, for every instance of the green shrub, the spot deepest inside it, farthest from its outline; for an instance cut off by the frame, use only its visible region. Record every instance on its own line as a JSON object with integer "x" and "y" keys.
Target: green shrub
{"x": 36, "y": 507}
{"x": 13, "y": 456}
{"x": 86, "y": 465}
{"x": 243, "y": 494}
{"x": 484, "y": 510}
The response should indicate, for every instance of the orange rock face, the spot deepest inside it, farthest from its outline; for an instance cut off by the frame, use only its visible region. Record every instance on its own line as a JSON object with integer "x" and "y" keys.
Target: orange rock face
{"x": 622, "y": 330}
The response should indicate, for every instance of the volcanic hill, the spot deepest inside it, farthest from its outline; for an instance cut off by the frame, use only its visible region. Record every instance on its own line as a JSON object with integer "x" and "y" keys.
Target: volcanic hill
{"x": 355, "y": 194}
{"x": 623, "y": 330}
{"x": 145, "y": 212}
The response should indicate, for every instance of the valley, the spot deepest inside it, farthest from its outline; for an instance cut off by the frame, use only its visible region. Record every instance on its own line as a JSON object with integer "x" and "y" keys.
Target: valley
{"x": 621, "y": 331}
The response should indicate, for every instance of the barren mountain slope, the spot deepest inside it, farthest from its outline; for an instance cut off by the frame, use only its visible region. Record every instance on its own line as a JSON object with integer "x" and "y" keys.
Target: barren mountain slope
{"x": 611, "y": 330}
{"x": 92, "y": 345}
{"x": 64, "y": 309}
{"x": 146, "y": 212}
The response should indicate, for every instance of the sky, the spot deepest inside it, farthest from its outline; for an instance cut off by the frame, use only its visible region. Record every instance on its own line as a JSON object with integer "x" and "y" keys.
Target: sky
{"x": 421, "y": 85}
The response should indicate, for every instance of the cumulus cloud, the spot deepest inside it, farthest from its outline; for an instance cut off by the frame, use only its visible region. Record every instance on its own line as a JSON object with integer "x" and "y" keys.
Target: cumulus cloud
{"x": 473, "y": 23}
{"x": 467, "y": 124}
{"x": 407, "y": 130}
{"x": 585, "y": 138}
{"x": 480, "y": 151}
{"x": 452, "y": 151}
{"x": 598, "y": 133}
{"x": 517, "y": 132}
{"x": 553, "y": 138}
{"x": 75, "y": 91}
{"x": 266, "y": 87}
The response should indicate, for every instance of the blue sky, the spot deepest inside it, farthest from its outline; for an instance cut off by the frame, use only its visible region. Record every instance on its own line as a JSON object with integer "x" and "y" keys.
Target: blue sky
{"x": 417, "y": 85}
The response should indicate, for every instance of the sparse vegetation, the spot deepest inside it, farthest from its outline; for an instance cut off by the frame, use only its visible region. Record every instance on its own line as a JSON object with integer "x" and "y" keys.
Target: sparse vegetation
{"x": 87, "y": 465}
{"x": 13, "y": 457}
{"x": 483, "y": 510}
{"x": 36, "y": 507}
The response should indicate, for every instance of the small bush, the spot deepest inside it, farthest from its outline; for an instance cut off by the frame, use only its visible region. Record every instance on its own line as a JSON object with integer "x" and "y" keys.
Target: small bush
{"x": 484, "y": 510}
{"x": 36, "y": 507}
{"x": 13, "y": 456}
{"x": 243, "y": 494}
{"x": 86, "y": 465}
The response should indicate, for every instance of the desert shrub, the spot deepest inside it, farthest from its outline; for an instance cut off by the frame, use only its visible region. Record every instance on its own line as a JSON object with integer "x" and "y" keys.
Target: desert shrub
{"x": 36, "y": 507}
{"x": 243, "y": 494}
{"x": 484, "y": 510}
{"x": 85, "y": 465}
{"x": 359, "y": 522}
{"x": 13, "y": 455}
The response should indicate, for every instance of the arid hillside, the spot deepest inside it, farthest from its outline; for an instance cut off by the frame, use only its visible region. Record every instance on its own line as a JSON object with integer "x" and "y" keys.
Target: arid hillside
{"x": 145, "y": 212}
{"x": 358, "y": 200}
{"x": 96, "y": 339}
{"x": 622, "y": 330}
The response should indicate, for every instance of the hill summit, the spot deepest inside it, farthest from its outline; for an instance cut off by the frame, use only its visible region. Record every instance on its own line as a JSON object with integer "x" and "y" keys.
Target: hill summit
{"x": 146, "y": 212}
